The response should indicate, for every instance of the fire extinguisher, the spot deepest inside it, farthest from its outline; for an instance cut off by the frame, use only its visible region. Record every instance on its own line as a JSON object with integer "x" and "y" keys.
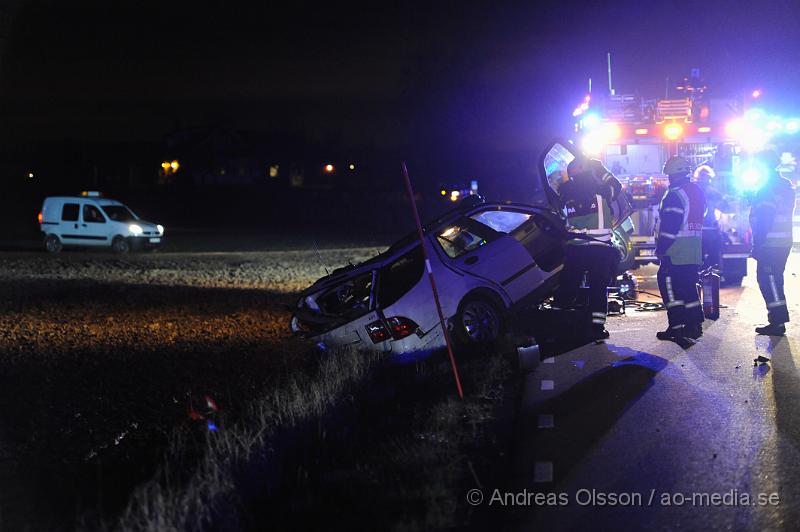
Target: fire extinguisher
{"x": 710, "y": 282}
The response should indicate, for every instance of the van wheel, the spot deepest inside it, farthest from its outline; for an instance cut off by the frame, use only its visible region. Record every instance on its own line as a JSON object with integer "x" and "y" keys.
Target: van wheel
{"x": 120, "y": 245}
{"x": 53, "y": 244}
{"x": 478, "y": 322}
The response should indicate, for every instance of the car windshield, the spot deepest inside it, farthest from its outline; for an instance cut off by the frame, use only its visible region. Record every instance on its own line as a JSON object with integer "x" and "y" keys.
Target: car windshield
{"x": 119, "y": 213}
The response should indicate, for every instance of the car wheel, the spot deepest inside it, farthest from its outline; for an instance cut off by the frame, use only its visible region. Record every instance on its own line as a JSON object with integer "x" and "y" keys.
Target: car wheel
{"x": 53, "y": 244}
{"x": 478, "y": 322}
{"x": 120, "y": 245}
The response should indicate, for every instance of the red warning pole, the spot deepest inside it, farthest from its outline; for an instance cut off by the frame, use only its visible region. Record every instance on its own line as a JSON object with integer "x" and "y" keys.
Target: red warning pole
{"x": 410, "y": 192}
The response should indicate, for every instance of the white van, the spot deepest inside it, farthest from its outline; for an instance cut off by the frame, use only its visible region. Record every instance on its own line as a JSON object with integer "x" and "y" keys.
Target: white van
{"x": 91, "y": 220}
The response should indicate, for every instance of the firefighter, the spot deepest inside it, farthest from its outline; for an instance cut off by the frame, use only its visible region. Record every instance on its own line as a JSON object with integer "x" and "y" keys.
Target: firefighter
{"x": 679, "y": 249}
{"x": 586, "y": 196}
{"x": 715, "y": 201}
{"x": 771, "y": 222}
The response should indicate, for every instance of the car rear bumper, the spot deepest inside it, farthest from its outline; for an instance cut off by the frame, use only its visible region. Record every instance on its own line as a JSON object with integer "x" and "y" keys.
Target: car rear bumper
{"x": 405, "y": 350}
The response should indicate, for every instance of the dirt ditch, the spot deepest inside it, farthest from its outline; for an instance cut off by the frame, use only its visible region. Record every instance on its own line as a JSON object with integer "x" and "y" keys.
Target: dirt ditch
{"x": 102, "y": 357}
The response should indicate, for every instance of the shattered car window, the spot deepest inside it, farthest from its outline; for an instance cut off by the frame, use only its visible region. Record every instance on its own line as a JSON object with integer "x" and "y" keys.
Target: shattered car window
{"x": 457, "y": 240}
{"x": 397, "y": 278}
{"x": 350, "y": 299}
{"x": 501, "y": 221}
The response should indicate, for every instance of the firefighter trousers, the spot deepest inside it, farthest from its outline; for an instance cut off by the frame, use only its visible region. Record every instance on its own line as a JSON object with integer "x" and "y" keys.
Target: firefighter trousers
{"x": 771, "y": 264}
{"x": 599, "y": 263}
{"x": 678, "y": 287}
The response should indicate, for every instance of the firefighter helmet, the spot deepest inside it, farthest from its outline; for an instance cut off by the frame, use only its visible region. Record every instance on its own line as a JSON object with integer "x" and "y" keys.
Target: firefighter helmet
{"x": 677, "y": 165}
{"x": 704, "y": 172}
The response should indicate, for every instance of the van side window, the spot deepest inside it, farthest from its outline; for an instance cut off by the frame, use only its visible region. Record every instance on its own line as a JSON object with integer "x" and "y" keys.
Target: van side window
{"x": 91, "y": 214}
{"x": 69, "y": 212}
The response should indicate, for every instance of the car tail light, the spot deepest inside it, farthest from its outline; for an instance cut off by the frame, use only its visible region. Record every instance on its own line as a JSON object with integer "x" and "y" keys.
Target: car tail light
{"x": 40, "y": 218}
{"x": 398, "y": 328}
{"x": 401, "y": 327}
{"x": 378, "y": 332}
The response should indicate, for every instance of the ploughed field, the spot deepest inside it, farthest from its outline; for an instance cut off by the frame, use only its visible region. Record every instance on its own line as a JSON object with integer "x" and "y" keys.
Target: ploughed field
{"x": 103, "y": 356}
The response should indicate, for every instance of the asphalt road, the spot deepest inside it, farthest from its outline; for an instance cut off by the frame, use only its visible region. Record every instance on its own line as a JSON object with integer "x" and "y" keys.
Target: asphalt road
{"x": 648, "y": 423}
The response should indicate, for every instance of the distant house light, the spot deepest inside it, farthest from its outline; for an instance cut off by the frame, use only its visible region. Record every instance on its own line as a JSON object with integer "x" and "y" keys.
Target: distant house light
{"x": 352, "y": 167}
{"x": 273, "y": 170}
{"x": 329, "y": 168}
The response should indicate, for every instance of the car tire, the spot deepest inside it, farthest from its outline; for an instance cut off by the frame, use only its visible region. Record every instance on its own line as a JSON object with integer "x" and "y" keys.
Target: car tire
{"x": 479, "y": 321}
{"x": 53, "y": 244}
{"x": 120, "y": 245}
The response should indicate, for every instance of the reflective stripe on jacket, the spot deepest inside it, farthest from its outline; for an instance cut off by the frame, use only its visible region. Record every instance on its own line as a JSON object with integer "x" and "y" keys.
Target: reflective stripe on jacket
{"x": 592, "y": 218}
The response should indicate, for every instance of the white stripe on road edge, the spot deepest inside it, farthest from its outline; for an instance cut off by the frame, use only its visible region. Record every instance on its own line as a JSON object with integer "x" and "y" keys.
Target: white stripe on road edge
{"x": 545, "y": 421}
{"x": 548, "y": 384}
{"x": 549, "y": 360}
{"x": 543, "y": 472}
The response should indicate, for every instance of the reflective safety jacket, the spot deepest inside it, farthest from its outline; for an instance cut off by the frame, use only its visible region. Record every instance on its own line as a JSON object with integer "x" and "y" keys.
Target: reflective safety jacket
{"x": 771, "y": 214}
{"x": 679, "y": 233}
{"x": 588, "y": 212}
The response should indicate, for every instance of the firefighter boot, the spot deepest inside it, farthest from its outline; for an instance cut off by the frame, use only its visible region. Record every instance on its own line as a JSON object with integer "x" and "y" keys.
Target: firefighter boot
{"x": 773, "y": 329}
{"x": 693, "y": 331}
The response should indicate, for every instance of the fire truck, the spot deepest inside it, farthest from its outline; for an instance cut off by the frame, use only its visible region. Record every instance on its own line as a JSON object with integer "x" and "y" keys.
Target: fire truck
{"x": 634, "y": 136}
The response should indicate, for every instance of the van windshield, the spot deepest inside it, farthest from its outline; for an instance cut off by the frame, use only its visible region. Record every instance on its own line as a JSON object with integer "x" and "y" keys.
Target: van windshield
{"x": 119, "y": 213}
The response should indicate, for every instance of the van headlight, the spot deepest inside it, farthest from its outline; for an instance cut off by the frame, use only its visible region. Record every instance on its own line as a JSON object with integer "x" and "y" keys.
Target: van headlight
{"x": 135, "y": 229}
{"x": 160, "y": 229}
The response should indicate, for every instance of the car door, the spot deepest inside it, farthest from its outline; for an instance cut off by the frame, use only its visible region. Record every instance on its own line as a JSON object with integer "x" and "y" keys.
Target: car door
{"x": 540, "y": 231}
{"x": 94, "y": 226}
{"x": 553, "y": 172}
{"x": 475, "y": 248}
{"x": 69, "y": 222}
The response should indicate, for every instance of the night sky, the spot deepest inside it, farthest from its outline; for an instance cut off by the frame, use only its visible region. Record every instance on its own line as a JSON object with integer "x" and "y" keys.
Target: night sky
{"x": 436, "y": 80}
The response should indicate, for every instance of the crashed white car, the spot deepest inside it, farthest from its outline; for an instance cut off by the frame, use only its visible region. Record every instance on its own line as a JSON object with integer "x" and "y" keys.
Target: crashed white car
{"x": 487, "y": 259}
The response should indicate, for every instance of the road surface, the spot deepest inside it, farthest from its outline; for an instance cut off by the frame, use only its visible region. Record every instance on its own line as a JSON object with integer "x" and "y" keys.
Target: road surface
{"x": 639, "y": 431}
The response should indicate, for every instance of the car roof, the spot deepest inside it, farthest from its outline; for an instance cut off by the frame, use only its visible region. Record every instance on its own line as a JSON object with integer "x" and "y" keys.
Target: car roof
{"x": 411, "y": 240}
{"x": 99, "y": 201}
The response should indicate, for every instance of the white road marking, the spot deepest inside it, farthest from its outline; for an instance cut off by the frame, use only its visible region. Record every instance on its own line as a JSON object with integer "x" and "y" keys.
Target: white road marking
{"x": 550, "y": 360}
{"x": 548, "y": 384}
